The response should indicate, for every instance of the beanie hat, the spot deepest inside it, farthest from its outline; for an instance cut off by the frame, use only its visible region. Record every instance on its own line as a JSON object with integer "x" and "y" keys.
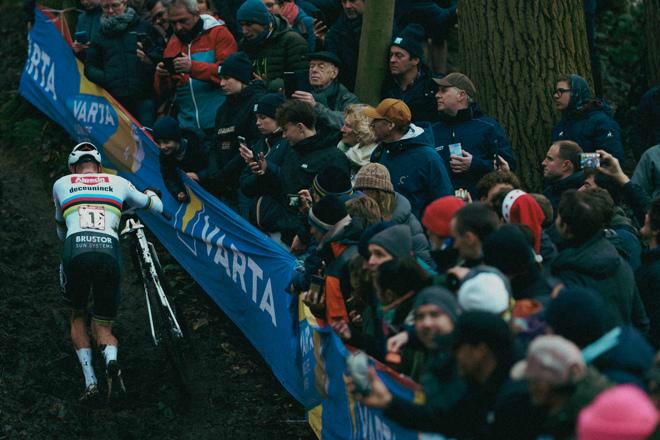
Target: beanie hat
{"x": 327, "y": 212}
{"x": 440, "y": 297}
{"x": 167, "y": 128}
{"x": 485, "y": 288}
{"x": 410, "y": 40}
{"x": 373, "y": 176}
{"x": 509, "y": 250}
{"x": 438, "y": 214}
{"x": 363, "y": 244}
{"x": 253, "y": 11}
{"x": 396, "y": 240}
{"x": 332, "y": 180}
{"x": 552, "y": 359}
{"x": 623, "y": 412}
{"x": 238, "y": 66}
{"x": 578, "y": 314}
{"x": 520, "y": 207}
{"x": 268, "y": 104}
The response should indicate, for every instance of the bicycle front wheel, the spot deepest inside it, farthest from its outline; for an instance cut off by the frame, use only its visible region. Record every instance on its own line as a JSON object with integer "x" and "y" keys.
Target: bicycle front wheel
{"x": 168, "y": 335}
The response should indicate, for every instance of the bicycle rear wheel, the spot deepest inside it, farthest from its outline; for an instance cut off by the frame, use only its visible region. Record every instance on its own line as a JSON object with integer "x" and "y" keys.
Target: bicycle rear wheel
{"x": 169, "y": 338}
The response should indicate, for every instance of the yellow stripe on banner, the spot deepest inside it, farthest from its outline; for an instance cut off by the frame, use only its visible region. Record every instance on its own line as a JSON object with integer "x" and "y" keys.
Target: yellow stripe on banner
{"x": 194, "y": 206}
{"x": 315, "y": 419}
{"x": 304, "y": 314}
{"x": 419, "y": 398}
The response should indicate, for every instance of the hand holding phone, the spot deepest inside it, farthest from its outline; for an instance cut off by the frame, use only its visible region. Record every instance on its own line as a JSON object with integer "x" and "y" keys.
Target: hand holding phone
{"x": 290, "y": 84}
{"x": 81, "y": 37}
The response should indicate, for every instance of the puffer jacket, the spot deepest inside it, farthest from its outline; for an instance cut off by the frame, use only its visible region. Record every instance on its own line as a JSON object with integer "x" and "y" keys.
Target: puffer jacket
{"x": 111, "y": 60}
{"x": 402, "y": 215}
{"x": 480, "y": 135}
{"x": 283, "y": 50}
{"x": 596, "y": 264}
{"x": 417, "y": 172}
{"x": 197, "y": 94}
{"x": 588, "y": 122}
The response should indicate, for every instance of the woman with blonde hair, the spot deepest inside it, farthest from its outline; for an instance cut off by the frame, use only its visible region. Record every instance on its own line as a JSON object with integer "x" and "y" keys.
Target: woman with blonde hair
{"x": 357, "y": 138}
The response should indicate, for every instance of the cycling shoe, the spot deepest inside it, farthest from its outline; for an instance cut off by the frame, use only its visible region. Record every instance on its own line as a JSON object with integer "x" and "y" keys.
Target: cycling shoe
{"x": 90, "y": 394}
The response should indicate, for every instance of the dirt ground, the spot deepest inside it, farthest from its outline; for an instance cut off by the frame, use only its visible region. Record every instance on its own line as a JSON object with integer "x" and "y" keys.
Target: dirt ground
{"x": 235, "y": 395}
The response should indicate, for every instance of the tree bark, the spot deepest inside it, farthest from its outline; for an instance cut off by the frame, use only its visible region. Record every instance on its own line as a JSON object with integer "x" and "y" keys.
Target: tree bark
{"x": 374, "y": 44}
{"x": 652, "y": 17}
{"x": 514, "y": 51}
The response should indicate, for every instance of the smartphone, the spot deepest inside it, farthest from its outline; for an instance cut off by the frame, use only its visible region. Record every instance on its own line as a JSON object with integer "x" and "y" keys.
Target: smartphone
{"x": 290, "y": 84}
{"x": 81, "y": 37}
{"x": 168, "y": 62}
{"x": 318, "y": 15}
{"x": 462, "y": 194}
{"x": 358, "y": 368}
{"x": 145, "y": 40}
{"x": 589, "y": 160}
{"x": 455, "y": 149}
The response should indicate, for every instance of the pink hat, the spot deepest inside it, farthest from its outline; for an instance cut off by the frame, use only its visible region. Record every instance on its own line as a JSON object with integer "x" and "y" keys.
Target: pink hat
{"x": 623, "y": 412}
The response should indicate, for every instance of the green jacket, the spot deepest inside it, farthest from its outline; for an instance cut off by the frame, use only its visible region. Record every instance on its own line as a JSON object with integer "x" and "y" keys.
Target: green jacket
{"x": 283, "y": 50}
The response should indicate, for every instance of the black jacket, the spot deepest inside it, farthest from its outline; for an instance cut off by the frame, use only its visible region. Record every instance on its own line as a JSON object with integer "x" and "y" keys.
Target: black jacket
{"x": 648, "y": 282}
{"x": 343, "y": 39}
{"x": 111, "y": 60}
{"x": 191, "y": 156}
{"x": 554, "y": 189}
{"x": 596, "y": 264}
{"x": 273, "y": 212}
{"x": 419, "y": 96}
{"x": 234, "y": 118}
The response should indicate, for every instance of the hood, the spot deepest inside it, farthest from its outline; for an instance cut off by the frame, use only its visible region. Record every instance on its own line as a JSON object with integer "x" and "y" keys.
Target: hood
{"x": 414, "y": 138}
{"x": 209, "y": 22}
{"x": 597, "y": 258}
{"x": 628, "y": 360}
{"x": 582, "y": 101}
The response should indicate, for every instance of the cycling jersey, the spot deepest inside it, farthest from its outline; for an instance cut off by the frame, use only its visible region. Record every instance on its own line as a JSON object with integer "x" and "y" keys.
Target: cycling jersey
{"x": 93, "y": 203}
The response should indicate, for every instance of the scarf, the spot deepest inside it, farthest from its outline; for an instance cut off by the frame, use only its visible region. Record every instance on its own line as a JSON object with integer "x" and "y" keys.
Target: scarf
{"x": 119, "y": 23}
{"x": 290, "y": 11}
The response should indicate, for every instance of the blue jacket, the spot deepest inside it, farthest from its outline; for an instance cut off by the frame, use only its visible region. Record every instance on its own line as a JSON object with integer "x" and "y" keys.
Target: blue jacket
{"x": 480, "y": 135}
{"x": 419, "y": 96}
{"x": 588, "y": 122}
{"x": 415, "y": 170}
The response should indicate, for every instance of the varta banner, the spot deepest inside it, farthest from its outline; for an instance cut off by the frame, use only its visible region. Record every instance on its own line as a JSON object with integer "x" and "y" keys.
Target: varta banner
{"x": 240, "y": 268}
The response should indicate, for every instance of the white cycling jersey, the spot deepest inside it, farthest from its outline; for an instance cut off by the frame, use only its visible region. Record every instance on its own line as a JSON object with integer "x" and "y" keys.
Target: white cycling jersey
{"x": 93, "y": 203}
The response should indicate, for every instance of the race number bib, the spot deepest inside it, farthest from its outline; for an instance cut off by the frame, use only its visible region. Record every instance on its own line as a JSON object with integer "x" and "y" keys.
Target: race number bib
{"x": 91, "y": 217}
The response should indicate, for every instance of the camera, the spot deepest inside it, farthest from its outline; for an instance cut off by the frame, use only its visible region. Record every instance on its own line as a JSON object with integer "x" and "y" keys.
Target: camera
{"x": 589, "y": 160}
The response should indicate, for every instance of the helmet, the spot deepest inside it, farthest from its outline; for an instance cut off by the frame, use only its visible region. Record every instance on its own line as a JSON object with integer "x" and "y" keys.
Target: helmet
{"x": 84, "y": 150}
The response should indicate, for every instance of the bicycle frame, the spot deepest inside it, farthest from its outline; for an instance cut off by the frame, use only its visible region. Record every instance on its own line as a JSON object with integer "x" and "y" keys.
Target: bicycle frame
{"x": 148, "y": 268}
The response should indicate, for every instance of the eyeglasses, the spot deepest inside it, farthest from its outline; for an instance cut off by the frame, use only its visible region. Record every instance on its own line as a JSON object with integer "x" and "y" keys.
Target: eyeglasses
{"x": 113, "y": 6}
{"x": 559, "y": 91}
{"x": 373, "y": 123}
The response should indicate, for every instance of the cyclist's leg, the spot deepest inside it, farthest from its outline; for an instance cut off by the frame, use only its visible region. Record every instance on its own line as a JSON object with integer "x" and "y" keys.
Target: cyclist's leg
{"x": 75, "y": 294}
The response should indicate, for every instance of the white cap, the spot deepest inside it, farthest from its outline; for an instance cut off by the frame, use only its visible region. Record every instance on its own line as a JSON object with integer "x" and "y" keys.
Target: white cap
{"x": 484, "y": 292}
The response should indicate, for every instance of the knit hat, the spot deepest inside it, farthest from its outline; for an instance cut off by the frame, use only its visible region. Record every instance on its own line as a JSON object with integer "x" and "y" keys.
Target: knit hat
{"x": 166, "y": 128}
{"x": 332, "y": 180}
{"x": 486, "y": 289}
{"x": 390, "y": 109}
{"x": 578, "y": 314}
{"x": 508, "y": 249}
{"x": 551, "y": 359}
{"x": 326, "y": 213}
{"x": 268, "y": 104}
{"x": 440, "y": 297}
{"x": 410, "y": 40}
{"x": 253, "y": 11}
{"x": 520, "y": 207}
{"x": 623, "y": 412}
{"x": 438, "y": 214}
{"x": 367, "y": 234}
{"x": 396, "y": 240}
{"x": 484, "y": 327}
{"x": 373, "y": 176}
{"x": 459, "y": 81}
{"x": 238, "y": 66}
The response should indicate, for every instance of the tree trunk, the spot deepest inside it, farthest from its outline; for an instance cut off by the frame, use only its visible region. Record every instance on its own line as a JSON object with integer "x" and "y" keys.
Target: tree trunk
{"x": 514, "y": 51}
{"x": 374, "y": 44}
{"x": 652, "y": 16}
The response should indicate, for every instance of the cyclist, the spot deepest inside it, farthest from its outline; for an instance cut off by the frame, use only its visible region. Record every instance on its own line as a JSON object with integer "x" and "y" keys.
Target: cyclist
{"x": 88, "y": 206}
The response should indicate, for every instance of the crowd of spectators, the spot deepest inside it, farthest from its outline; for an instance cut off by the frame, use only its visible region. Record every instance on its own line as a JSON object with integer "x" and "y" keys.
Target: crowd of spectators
{"x": 522, "y": 315}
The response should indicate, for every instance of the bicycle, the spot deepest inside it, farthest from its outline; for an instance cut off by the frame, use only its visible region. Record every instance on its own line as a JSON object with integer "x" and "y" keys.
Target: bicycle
{"x": 165, "y": 327}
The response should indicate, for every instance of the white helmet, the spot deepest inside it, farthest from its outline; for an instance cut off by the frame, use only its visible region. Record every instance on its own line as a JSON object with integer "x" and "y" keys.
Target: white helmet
{"x": 84, "y": 150}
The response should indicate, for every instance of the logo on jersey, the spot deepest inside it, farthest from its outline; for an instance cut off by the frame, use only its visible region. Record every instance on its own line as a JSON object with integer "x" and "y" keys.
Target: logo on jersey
{"x": 89, "y": 180}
